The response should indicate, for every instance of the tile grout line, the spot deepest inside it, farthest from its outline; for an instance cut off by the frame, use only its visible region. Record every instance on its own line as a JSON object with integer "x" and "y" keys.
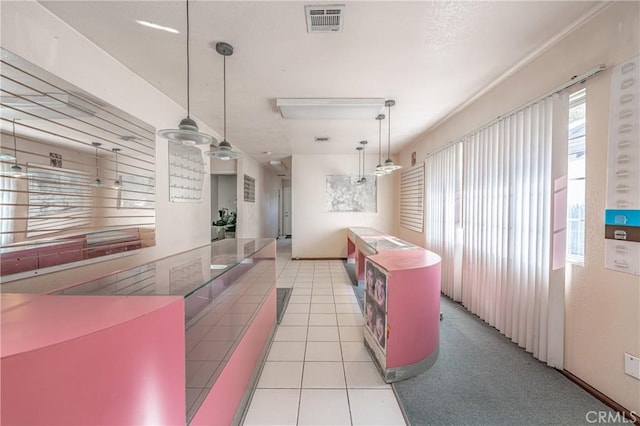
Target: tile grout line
{"x": 344, "y": 370}
{"x": 304, "y": 356}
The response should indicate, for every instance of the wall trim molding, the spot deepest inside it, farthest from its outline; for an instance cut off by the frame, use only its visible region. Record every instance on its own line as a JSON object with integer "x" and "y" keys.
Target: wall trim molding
{"x": 635, "y": 417}
{"x": 318, "y": 258}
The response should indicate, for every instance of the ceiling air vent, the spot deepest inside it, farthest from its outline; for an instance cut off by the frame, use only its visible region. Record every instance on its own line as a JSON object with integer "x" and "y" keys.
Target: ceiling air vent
{"x": 321, "y": 139}
{"x": 325, "y": 18}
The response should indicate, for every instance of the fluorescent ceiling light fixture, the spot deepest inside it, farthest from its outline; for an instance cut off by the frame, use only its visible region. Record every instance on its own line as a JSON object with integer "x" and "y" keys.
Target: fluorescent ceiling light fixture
{"x": 330, "y": 108}
{"x": 157, "y": 27}
{"x": 52, "y": 105}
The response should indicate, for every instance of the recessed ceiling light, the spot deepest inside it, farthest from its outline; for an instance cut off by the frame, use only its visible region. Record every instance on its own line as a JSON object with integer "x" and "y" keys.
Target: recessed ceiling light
{"x": 267, "y": 152}
{"x": 157, "y": 27}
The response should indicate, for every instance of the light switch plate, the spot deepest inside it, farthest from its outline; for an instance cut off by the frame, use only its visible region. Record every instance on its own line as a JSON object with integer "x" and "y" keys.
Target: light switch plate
{"x": 632, "y": 365}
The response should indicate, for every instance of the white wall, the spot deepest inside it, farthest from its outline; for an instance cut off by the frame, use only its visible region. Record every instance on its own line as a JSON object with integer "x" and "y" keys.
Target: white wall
{"x": 32, "y": 32}
{"x": 602, "y": 306}
{"x": 259, "y": 218}
{"x": 318, "y": 233}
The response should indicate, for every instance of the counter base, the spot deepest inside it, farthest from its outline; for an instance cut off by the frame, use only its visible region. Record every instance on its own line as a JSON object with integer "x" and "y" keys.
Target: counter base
{"x": 397, "y": 374}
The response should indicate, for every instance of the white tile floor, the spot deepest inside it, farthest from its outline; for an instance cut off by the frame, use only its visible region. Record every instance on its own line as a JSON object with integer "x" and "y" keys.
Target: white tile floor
{"x": 318, "y": 371}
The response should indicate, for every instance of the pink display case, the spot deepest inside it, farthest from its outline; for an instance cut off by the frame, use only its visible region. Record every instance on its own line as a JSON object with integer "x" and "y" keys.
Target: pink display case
{"x": 182, "y": 337}
{"x": 402, "y": 302}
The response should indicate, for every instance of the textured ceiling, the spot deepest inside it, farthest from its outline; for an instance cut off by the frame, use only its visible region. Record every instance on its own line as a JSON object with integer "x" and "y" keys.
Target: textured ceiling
{"x": 429, "y": 56}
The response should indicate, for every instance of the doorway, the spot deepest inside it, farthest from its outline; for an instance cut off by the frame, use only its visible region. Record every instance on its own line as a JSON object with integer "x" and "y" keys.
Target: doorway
{"x": 223, "y": 206}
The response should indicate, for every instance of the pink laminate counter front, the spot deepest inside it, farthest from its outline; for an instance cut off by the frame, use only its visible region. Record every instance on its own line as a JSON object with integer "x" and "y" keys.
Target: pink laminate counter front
{"x": 131, "y": 349}
{"x": 412, "y": 305}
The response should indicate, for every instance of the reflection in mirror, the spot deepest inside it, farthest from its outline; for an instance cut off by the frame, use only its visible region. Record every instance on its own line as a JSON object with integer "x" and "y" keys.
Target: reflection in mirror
{"x": 87, "y": 182}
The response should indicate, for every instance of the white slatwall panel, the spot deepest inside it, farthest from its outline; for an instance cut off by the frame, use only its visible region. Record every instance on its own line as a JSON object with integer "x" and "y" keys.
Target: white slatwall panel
{"x": 412, "y": 198}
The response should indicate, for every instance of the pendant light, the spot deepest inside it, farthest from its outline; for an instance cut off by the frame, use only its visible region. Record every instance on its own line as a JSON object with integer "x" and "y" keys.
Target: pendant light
{"x": 116, "y": 183}
{"x": 363, "y": 179}
{"x": 359, "y": 182}
{"x": 388, "y": 164}
{"x": 15, "y": 170}
{"x": 7, "y": 155}
{"x": 187, "y": 131}
{"x": 379, "y": 171}
{"x": 97, "y": 182}
{"x": 224, "y": 151}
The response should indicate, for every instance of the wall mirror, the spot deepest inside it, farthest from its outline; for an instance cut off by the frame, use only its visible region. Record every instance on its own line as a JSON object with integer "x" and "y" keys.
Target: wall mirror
{"x": 77, "y": 176}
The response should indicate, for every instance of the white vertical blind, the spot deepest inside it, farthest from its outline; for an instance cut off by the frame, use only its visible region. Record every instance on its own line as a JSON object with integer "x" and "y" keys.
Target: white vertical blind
{"x": 412, "y": 198}
{"x": 507, "y": 214}
{"x": 442, "y": 176}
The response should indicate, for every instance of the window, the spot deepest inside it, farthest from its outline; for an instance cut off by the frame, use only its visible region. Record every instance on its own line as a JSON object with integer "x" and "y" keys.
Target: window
{"x": 576, "y": 177}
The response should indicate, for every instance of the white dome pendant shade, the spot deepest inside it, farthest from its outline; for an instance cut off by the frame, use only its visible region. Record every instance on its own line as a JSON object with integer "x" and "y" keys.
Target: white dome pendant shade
{"x": 388, "y": 164}
{"x": 224, "y": 152}
{"x": 379, "y": 170}
{"x": 187, "y": 132}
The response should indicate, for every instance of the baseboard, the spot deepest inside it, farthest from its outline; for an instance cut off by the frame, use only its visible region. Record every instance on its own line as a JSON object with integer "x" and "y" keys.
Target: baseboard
{"x": 318, "y": 258}
{"x": 630, "y": 415}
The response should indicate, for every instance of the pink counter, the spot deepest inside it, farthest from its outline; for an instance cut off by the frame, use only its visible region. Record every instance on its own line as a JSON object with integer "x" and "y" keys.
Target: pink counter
{"x": 82, "y": 360}
{"x": 177, "y": 341}
{"x": 402, "y": 301}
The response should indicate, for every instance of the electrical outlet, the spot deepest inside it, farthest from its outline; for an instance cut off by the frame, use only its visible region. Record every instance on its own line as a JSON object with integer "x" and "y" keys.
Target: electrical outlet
{"x": 632, "y": 365}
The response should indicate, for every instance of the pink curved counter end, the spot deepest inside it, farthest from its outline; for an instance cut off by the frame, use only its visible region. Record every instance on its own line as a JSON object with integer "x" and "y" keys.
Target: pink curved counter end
{"x": 409, "y": 303}
{"x": 79, "y": 360}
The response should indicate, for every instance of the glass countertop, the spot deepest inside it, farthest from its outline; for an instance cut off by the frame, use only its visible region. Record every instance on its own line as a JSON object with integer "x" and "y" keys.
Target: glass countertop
{"x": 379, "y": 243}
{"x": 176, "y": 275}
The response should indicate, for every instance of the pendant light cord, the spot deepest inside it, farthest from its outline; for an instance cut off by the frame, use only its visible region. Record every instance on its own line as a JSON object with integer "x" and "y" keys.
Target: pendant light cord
{"x": 188, "y": 67}
{"x": 15, "y": 142}
{"x": 224, "y": 95}
{"x": 379, "y": 141}
{"x": 389, "y": 139}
